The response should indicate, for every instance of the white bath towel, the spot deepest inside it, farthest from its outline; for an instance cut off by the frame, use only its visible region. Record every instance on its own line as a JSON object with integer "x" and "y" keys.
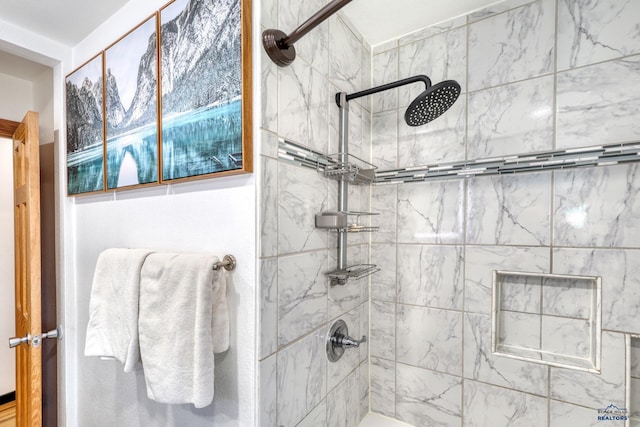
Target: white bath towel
{"x": 112, "y": 331}
{"x": 183, "y": 321}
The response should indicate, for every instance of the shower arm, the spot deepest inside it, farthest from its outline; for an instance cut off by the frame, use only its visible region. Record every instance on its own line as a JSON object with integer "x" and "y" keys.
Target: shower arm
{"x": 279, "y": 46}
{"x": 419, "y": 78}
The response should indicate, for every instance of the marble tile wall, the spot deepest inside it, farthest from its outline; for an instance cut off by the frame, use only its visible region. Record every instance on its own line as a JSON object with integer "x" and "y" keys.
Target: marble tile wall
{"x": 298, "y": 385}
{"x": 535, "y": 75}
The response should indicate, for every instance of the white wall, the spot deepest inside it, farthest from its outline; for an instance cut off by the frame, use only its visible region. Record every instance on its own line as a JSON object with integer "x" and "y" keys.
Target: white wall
{"x": 16, "y": 98}
{"x": 214, "y": 216}
{"x": 7, "y": 318}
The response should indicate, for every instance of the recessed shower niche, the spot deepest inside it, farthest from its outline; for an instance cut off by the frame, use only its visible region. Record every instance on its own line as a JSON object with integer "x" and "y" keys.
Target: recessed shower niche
{"x": 551, "y": 319}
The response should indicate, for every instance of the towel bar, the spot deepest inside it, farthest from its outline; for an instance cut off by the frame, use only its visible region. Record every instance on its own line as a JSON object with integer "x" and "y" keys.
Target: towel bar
{"x": 228, "y": 262}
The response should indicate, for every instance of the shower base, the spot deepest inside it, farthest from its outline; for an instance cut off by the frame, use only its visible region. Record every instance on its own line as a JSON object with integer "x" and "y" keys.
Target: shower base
{"x": 377, "y": 420}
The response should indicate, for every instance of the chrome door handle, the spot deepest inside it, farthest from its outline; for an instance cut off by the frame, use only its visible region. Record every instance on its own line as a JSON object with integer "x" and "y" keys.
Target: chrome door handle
{"x": 54, "y": 333}
{"x": 14, "y": 342}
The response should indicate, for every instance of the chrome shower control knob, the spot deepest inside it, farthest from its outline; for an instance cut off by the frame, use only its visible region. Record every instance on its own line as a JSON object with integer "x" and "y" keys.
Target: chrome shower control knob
{"x": 338, "y": 340}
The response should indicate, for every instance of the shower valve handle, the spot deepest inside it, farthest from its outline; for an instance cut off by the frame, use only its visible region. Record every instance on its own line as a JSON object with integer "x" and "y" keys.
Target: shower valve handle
{"x": 346, "y": 341}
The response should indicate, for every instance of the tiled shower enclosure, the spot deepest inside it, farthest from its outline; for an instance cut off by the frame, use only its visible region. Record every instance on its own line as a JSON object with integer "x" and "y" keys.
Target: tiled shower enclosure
{"x": 536, "y": 76}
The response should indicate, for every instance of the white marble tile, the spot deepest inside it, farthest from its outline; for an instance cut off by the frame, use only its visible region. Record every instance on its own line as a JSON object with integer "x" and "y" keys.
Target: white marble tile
{"x": 269, "y": 144}
{"x": 562, "y": 335}
{"x": 511, "y": 119}
{"x": 594, "y": 390}
{"x": 302, "y": 294}
{"x": 317, "y": 417}
{"x": 496, "y": 8}
{"x": 429, "y": 338}
{"x": 608, "y": 112}
{"x": 269, "y": 207}
{"x": 366, "y": 75}
{"x": 634, "y": 391}
{"x": 509, "y": 210}
{"x": 269, "y": 98}
{"x": 343, "y": 403}
{"x": 385, "y": 70}
{"x": 268, "y": 387}
{"x": 391, "y": 44}
{"x": 425, "y": 397}
{"x": 339, "y": 370}
{"x": 431, "y": 276}
{"x": 520, "y": 293}
{"x": 433, "y": 30}
{"x": 382, "y": 330}
{"x": 519, "y": 329}
{"x": 597, "y": 207}
{"x": 561, "y": 413}
{"x": 595, "y": 31}
{"x": 269, "y": 14}
{"x": 313, "y": 48}
{"x": 431, "y": 212}
{"x": 482, "y": 365}
{"x": 441, "y": 57}
{"x": 302, "y": 193}
{"x": 480, "y": 261}
{"x": 303, "y": 98}
{"x": 364, "y": 379}
{"x": 383, "y": 386}
{"x": 302, "y": 370}
{"x": 344, "y": 72}
{"x": 512, "y": 46}
{"x": 442, "y": 140}
{"x": 364, "y": 330}
{"x": 268, "y": 306}
{"x": 487, "y": 405}
{"x": 367, "y": 134}
{"x": 620, "y": 274}
{"x": 383, "y": 283}
{"x": 634, "y": 354}
{"x": 385, "y": 139}
{"x": 568, "y": 297}
{"x": 384, "y": 202}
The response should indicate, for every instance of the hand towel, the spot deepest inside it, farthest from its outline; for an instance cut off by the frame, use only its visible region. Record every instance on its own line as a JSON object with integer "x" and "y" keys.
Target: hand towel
{"x": 183, "y": 320}
{"x": 112, "y": 331}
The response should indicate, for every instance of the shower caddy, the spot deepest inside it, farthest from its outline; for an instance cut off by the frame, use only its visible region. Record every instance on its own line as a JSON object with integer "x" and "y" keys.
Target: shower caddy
{"x": 346, "y": 169}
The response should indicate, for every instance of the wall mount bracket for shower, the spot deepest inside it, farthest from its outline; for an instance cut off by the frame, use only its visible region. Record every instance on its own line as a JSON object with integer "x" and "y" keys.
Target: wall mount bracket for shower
{"x": 338, "y": 340}
{"x": 279, "y": 46}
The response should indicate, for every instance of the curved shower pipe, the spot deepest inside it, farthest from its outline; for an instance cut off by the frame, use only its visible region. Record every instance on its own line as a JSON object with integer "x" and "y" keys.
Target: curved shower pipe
{"x": 279, "y": 46}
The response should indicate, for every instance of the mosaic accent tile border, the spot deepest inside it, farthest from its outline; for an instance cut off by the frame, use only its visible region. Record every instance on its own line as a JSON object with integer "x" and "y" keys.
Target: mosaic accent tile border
{"x": 572, "y": 158}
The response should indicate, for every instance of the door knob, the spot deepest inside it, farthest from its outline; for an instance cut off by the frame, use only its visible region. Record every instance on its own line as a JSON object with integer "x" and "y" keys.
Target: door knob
{"x": 14, "y": 342}
{"x": 54, "y": 333}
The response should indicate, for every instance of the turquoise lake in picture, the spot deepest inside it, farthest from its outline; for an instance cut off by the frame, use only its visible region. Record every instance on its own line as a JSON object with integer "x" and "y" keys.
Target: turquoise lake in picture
{"x": 202, "y": 141}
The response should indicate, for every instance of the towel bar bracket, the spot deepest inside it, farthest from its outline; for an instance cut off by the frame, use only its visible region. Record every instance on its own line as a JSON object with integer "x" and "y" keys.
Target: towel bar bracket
{"x": 228, "y": 262}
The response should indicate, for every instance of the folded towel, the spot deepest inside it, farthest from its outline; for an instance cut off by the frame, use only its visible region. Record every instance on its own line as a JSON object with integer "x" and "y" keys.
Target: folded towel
{"x": 183, "y": 321}
{"x": 112, "y": 331}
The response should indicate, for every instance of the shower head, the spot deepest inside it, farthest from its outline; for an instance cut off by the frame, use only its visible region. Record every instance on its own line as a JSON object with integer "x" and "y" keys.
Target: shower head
{"x": 429, "y": 105}
{"x": 432, "y": 103}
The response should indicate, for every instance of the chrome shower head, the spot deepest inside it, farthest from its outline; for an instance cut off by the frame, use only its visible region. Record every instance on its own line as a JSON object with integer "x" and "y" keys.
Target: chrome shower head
{"x": 432, "y": 103}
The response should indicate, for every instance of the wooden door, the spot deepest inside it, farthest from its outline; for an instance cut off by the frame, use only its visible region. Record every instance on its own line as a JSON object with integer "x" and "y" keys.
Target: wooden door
{"x": 26, "y": 185}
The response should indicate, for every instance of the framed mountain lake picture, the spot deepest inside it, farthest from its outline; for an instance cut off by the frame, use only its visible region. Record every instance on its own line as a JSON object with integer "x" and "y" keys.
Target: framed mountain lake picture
{"x": 205, "y": 89}
{"x": 85, "y": 128}
{"x": 131, "y": 102}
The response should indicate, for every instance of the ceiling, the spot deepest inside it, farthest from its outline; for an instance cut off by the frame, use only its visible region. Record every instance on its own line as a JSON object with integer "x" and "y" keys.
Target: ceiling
{"x": 65, "y": 21}
{"x": 70, "y": 21}
{"x": 382, "y": 20}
